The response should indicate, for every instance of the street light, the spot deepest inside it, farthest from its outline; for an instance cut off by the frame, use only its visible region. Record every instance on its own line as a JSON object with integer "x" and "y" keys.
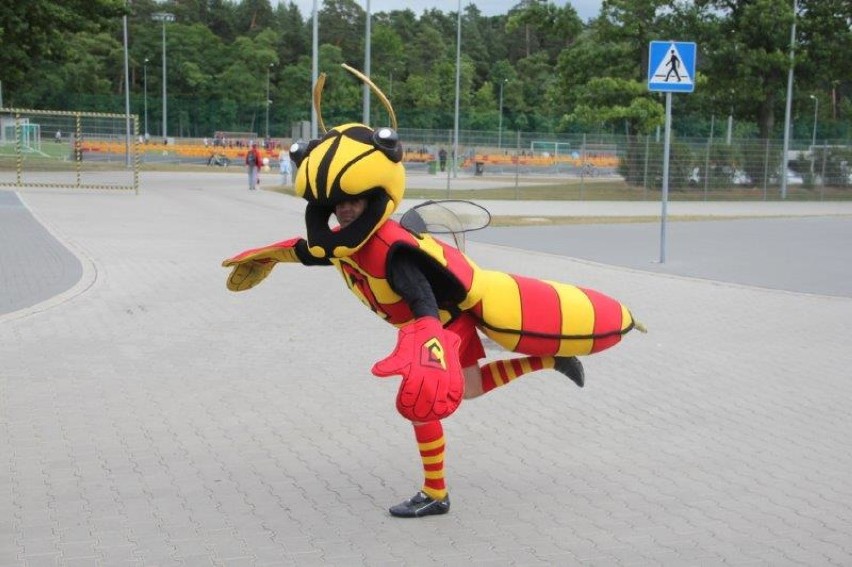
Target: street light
{"x": 314, "y": 65}
{"x": 500, "y": 127}
{"x": 126, "y": 95}
{"x": 268, "y": 100}
{"x": 788, "y": 106}
{"x": 455, "y": 155}
{"x": 813, "y": 140}
{"x": 145, "y": 82}
{"x": 164, "y": 17}
{"x": 367, "y": 44}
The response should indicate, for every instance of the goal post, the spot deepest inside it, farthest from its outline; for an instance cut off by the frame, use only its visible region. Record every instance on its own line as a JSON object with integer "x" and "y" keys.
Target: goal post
{"x": 67, "y": 149}
{"x": 549, "y": 148}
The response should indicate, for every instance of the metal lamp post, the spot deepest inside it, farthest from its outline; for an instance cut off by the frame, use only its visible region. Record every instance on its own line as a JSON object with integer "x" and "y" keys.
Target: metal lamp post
{"x": 314, "y": 65}
{"x": 145, "y": 88}
{"x": 455, "y": 155}
{"x": 127, "y": 158}
{"x": 367, "y": 44}
{"x": 788, "y": 109}
{"x": 813, "y": 139}
{"x": 164, "y": 17}
{"x": 500, "y": 127}
{"x": 268, "y": 100}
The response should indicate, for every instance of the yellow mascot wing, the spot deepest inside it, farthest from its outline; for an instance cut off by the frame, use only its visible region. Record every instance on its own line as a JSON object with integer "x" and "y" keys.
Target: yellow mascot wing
{"x": 251, "y": 267}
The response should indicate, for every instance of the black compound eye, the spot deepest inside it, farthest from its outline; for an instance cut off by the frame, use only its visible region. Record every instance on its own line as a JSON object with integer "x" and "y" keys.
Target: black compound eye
{"x": 300, "y": 150}
{"x": 387, "y": 141}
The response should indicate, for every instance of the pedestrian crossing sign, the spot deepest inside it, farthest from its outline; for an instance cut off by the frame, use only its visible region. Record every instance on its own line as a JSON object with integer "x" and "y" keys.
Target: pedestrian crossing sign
{"x": 671, "y": 66}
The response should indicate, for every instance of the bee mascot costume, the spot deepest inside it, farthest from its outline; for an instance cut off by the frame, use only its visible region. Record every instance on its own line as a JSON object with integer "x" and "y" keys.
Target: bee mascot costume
{"x": 431, "y": 291}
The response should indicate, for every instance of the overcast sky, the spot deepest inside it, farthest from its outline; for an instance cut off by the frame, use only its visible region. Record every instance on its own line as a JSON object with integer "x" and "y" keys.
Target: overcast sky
{"x": 585, "y": 8}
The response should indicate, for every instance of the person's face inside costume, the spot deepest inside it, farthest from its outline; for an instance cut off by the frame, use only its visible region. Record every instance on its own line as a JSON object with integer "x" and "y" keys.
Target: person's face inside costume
{"x": 349, "y": 210}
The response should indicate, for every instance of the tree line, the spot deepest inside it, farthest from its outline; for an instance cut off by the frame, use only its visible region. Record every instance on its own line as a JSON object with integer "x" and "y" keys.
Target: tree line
{"x": 538, "y": 67}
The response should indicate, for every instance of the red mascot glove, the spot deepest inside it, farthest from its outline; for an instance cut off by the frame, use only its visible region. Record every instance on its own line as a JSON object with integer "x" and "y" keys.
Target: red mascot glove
{"x": 427, "y": 358}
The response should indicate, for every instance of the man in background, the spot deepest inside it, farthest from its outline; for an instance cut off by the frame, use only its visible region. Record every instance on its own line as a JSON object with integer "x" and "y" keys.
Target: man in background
{"x": 253, "y": 161}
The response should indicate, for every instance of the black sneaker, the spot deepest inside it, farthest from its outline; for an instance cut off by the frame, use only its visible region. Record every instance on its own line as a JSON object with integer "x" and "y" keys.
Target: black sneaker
{"x": 421, "y": 505}
{"x": 571, "y": 367}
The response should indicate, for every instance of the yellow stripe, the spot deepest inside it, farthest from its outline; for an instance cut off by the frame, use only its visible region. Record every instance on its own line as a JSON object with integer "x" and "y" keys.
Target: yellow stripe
{"x": 626, "y": 318}
{"x": 434, "y": 494}
{"x": 433, "y": 460}
{"x": 431, "y": 444}
{"x": 433, "y": 475}
{"x": 508, "y": 369}
{"x": 433, "y": 249}
{"x": 501, "y": 305}
{"x": 525, "y": 366}
{"x": 578, "y": 318}
{"x": 495, "y": 373}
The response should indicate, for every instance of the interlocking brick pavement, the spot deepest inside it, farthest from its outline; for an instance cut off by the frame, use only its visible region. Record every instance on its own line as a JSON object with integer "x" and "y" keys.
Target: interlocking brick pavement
{"x": 153, "y": 418}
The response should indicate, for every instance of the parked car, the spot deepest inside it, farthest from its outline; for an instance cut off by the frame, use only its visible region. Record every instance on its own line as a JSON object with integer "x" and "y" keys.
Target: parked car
{"x": 793, "y": 178}
{"x": 740, "y": 177}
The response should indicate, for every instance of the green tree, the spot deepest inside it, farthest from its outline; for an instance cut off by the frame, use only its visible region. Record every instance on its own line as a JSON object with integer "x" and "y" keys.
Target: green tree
{"x": 342, "y": 23}
{"x": 545, "y": 26}
{"x": 36, "y": 33}
{"x": 748, "y": 43}
{"x": 294, "y": 34}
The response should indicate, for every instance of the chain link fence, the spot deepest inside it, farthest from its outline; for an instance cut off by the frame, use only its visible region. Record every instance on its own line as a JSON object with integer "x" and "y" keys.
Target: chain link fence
{"x": 699, "y": 168}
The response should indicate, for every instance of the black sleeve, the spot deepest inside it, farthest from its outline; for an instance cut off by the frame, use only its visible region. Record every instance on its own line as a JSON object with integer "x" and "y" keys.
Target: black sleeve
{"x": 306, "y": 257}
{"x": 407, "y": 279}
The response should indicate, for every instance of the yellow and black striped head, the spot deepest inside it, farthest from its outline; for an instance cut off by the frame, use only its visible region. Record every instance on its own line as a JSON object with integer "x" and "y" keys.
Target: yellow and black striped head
{"x": 349, "y": 161}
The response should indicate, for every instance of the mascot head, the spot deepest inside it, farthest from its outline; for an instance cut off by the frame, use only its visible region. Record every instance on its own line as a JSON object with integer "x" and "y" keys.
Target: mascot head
{"x": 348, "y": 162}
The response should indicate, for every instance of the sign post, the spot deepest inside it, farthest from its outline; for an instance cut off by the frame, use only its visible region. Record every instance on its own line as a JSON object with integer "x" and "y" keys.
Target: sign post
{"x": 671, "y": 69}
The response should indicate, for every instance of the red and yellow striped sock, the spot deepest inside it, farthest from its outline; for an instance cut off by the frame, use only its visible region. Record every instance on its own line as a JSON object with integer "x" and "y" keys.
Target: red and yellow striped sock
{"x": 430, "y": 441}
{"x": 501, "y": 372}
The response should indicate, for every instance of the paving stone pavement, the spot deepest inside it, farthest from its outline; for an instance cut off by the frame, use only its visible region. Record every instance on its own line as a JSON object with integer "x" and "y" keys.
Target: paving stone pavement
{"x": 148, "y": 417}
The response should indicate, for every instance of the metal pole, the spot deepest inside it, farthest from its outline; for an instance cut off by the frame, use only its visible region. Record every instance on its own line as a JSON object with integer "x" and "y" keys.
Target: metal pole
{"x": 455, "y": 155}
{"x": 268, "y": 101}
{"x": 645, "y": 173}
{"x": 314, "y": 68}
{"x": 367, "y": 66}
{"x": 665, "y": 196}
{"x": 146, "y": 98}
{"x": 165, "y": 111}
{"x": 707, "y": 157}
{"x": 517, "y": 163}
{"x": 500, "y": 127}
{"x": 730, "y": 125}
{"x": 788, "y": 111}
{"x": 813, "y": 138}
{"x": 164, "y": 17}
{"x": 449, "y": 167}
{"x": 126, "y": 97}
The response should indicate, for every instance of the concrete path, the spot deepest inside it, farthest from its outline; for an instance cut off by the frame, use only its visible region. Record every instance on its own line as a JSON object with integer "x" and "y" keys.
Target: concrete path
{"x": 150, "y": 417}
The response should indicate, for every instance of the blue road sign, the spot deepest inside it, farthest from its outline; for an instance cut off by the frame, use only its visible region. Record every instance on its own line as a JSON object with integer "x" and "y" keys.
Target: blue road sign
{"x": 671, "y": 66}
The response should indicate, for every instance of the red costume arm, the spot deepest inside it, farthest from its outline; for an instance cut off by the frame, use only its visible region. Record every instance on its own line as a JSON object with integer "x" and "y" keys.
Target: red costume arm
{"x": 252, "y": 266}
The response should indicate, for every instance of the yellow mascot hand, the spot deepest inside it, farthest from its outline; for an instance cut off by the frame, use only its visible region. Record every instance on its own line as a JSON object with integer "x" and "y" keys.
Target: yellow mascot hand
{"x": 252, "y": 266}
{"x": 248, "y": 274}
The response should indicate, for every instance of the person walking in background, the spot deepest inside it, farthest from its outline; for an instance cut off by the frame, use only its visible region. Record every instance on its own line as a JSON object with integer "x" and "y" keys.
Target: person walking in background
{"x": 253, "y": 161}
{"x": 285, "y": 166}
{"x": 442, "y": 159}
